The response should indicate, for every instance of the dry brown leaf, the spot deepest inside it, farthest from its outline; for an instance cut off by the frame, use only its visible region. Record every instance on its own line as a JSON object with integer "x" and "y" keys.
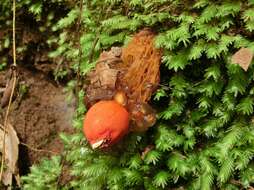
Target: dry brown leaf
{"x": 7, "y": 177}
{"x": 102, "y": 80}
{"x": 11, "y": 153}
{"x": 18, "y": 180}
{"x": 243, "y": 57}
{"x": 108, "y": 78}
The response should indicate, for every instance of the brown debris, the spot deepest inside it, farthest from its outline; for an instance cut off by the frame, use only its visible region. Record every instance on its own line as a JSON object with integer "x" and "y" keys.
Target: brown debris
{"x": 243, "y": 57}
{"x": 146, "y": 150}
{"x": 102, "y": 80}
{"x": 132, "y": 71}
{"x": 7, "y": 93}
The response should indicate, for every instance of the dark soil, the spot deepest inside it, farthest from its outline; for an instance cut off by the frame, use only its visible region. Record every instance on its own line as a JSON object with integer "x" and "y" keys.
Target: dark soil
{"x": 39, "y": 116}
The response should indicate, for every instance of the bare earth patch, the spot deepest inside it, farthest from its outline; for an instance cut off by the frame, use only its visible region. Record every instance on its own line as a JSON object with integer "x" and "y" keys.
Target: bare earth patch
{"x": 39, "y": 116}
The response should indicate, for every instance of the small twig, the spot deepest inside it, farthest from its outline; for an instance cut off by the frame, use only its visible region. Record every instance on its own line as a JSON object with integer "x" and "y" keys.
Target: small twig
{"x": 79, "y": 47}
{"x": 91, "y": 54}
{"x": 238, "y": 183}
{"x": 235, "y": 182}
{"x": 62, "y": 163}
{"x": 90, "y": 58}
{"x": 13, "y": 85}
{"x": 38, "y": 150}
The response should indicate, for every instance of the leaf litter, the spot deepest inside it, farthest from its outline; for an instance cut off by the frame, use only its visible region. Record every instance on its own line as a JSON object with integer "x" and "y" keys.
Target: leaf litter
{"x": 11, "y": 154}
{"x": 243, "y": 57}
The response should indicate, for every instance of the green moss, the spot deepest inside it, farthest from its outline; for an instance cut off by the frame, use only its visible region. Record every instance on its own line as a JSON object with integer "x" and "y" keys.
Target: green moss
{"x": 204, "y": 137}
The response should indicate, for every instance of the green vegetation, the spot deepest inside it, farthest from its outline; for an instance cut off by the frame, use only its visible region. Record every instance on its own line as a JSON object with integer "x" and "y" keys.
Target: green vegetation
{"x": 204, "y": 137}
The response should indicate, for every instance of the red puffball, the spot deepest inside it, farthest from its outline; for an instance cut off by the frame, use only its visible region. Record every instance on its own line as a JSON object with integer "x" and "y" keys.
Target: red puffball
{"x": 105, "y": 123}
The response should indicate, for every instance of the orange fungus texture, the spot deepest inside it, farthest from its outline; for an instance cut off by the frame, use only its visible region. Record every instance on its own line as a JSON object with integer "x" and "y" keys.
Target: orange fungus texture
{"x": 106, "y": 122}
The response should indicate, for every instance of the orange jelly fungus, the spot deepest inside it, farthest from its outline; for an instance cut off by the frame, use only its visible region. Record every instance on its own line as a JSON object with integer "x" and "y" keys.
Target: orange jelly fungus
{"x": 105, "y": 123}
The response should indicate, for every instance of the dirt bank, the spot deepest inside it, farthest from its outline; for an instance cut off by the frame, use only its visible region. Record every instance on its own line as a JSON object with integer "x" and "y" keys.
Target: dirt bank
{"x": 39, "y": 115}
